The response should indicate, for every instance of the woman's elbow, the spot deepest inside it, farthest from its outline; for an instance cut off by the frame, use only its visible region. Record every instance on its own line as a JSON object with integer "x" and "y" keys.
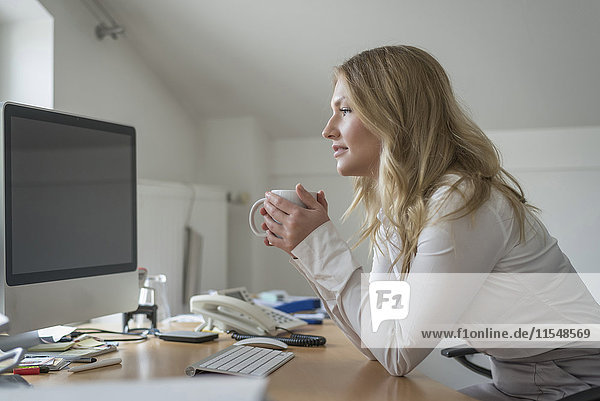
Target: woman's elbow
{"x": 397, "y": 370}
{"x": 395, "y": 363}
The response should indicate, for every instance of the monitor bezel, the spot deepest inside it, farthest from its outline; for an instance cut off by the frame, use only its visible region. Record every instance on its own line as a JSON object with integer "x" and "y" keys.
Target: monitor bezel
{"x": 11, "y": 110}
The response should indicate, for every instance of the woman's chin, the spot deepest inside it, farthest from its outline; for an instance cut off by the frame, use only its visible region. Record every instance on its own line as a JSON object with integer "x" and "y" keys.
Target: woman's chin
{"x": 345, "y": 172}
{"x": 342, "y": 171}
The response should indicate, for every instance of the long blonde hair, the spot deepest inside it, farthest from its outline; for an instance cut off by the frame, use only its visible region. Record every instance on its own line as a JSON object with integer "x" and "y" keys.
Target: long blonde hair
{"x": 404, "y": 97}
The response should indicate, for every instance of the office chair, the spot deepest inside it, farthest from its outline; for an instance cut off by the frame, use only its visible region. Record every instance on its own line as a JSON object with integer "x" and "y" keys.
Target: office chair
{"x": 460, "y": 355}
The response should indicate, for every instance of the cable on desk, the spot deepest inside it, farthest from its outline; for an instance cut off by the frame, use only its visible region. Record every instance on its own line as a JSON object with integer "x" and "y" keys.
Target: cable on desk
{"x": 299, "y": 340}
{"x": 141, "y": 336}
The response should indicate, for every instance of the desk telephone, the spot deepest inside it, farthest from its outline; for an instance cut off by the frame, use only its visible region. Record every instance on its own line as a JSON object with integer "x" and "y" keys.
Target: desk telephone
{"x": 233, "y": 309}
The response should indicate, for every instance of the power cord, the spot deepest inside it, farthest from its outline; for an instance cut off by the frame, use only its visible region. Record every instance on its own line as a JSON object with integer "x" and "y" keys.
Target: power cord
{"x": 299, "y": 340}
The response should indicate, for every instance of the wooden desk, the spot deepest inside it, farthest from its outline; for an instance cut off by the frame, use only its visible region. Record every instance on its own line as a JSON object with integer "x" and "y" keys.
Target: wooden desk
{"x": 337, "y": 371}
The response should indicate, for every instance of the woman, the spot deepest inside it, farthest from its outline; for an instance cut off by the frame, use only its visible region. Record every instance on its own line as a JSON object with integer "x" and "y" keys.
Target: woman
{"x": 437, "y": 202}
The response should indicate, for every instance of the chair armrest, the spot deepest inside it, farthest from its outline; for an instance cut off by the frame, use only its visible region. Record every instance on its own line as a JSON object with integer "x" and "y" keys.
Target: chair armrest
{"x": 460, "y": 355}
{"x": 453, "y": 352}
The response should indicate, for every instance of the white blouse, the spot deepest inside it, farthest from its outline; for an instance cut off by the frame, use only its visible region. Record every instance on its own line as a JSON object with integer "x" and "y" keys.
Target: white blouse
{"x": 484, "y": 242}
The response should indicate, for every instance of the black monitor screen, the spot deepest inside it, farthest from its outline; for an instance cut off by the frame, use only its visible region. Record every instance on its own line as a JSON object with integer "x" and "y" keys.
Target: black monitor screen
{"x": 70, "y": 196}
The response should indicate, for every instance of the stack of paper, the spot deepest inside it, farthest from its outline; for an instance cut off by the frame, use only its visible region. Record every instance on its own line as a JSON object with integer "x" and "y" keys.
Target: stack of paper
{"x": 58, "y": 355}
{"x": 51, "y": 362}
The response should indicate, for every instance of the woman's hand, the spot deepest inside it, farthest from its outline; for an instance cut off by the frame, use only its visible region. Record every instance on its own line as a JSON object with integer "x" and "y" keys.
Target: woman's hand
{"x": 294, "y": 223}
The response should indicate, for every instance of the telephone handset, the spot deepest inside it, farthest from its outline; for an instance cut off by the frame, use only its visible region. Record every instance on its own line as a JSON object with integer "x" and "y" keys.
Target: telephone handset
{"x": 228, "y": 313}
{"x": 233, "y": 309}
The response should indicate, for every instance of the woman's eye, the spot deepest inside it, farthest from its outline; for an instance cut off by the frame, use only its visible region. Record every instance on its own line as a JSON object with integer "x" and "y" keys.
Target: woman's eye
{"x": 345, "y": 110}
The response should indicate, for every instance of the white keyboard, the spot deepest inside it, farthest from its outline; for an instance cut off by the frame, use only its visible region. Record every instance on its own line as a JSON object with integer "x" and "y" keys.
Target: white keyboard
{"x": 242, "y": 360}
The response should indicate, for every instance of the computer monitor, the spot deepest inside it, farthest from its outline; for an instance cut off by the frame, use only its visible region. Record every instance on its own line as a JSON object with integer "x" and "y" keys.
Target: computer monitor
{"x": 68, "y": 222}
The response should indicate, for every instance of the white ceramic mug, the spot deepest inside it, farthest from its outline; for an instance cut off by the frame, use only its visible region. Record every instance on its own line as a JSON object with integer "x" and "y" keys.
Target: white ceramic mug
{"x": 289, "y": 194}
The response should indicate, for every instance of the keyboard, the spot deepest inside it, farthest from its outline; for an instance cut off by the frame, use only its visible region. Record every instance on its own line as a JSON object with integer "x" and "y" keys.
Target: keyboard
{"x": 242, "y": 360}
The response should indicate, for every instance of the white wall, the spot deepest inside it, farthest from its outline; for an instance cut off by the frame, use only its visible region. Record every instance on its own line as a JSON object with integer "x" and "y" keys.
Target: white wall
{"x": 234, "y": 156}
{"x": 107, "y": 79}
{"x": 26, "y": 45}
{"x": 560, "y": 172}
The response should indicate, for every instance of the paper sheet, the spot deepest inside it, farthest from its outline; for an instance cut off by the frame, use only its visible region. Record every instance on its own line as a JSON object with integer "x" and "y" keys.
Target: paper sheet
{"x": 55, "y": 333}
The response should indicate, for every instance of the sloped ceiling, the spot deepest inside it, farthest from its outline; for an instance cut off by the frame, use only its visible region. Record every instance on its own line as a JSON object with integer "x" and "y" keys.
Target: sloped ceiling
{"x": 516, "y": 64}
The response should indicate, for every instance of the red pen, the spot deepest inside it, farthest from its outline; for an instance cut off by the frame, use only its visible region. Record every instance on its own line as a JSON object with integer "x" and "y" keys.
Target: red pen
{"x": 31, "y": 370}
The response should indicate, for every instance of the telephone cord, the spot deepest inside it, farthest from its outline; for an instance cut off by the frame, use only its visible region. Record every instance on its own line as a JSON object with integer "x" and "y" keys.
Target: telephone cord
{"x": 299, "y": 340}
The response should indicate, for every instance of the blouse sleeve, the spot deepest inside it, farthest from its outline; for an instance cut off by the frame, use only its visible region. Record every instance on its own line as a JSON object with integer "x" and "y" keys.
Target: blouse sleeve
{"x": 470, "y": 244}
{"x": 348, "y": 272}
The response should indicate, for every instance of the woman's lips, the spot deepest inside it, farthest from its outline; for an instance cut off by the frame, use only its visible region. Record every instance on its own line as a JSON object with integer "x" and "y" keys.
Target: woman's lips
{"x": 339, "y": 150}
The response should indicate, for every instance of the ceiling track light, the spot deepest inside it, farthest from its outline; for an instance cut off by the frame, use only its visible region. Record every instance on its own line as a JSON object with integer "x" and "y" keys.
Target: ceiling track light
{"x": 102, "y": 30}
{"x": 107, "y": 26}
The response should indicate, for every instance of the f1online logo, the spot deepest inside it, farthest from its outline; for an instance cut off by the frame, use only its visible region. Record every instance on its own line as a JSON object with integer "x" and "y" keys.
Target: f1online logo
{"x": 389, "y": 301}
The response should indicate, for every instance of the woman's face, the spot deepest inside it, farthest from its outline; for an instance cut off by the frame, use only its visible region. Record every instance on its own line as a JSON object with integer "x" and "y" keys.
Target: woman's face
{"x": 355, "y": 148}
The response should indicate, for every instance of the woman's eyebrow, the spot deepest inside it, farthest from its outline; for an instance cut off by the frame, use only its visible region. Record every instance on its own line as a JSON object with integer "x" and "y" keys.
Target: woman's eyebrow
{"x": 337, "y": 101}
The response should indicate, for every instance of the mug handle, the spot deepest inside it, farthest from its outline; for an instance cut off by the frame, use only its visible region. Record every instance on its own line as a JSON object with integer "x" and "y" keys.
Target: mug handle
{"x": 253, "y": 210}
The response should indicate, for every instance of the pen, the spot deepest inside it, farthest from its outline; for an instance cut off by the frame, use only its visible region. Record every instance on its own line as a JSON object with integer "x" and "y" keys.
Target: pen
{"x": 84, "y": 360}
{"x": 94, "y": 365}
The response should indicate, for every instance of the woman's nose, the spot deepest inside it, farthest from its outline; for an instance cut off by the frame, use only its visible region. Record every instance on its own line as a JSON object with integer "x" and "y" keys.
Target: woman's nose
{"x": 330, "y": 132}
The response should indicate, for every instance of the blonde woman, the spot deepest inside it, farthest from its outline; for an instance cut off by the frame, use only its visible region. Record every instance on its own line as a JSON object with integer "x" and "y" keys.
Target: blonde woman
{"x": 436, "y": 200}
